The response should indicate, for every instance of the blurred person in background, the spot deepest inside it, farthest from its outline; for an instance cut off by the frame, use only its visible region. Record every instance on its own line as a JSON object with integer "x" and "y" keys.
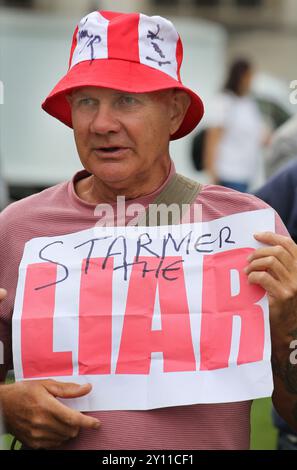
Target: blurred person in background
{"x": 235, "y": 131}
{"x": 283, "y": 146}
{"x": 280, "y": 192}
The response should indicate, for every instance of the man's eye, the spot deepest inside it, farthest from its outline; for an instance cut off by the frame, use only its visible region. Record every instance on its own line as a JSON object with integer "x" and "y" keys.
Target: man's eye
{"x": 126, "y": 99}
{"x": 86, "y": 102}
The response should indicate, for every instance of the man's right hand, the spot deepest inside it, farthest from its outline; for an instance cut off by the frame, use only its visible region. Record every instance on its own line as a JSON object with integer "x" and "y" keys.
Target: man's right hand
{"x": 34, "y": 416}
{"x": 3, "y": 294}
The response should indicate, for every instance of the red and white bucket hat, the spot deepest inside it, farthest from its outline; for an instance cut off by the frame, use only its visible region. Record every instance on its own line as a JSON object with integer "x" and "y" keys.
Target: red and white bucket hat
{"x": 130, "y": 52}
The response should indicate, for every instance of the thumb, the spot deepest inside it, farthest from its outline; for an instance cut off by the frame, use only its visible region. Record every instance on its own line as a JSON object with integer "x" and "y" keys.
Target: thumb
{"x": 3, "y": 293}
{"x": 67, "y": 390}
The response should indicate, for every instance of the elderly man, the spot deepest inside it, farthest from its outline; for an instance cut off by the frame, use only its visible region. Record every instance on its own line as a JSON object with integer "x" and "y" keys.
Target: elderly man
{"x": 125, "y": 101}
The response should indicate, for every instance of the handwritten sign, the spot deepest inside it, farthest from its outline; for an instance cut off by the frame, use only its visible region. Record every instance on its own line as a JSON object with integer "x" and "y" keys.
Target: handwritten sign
{"x": 149, "y": 321}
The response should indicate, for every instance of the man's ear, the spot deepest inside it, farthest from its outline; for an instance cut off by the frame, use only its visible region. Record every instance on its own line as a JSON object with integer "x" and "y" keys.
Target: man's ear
{"x": 179, "y": 106}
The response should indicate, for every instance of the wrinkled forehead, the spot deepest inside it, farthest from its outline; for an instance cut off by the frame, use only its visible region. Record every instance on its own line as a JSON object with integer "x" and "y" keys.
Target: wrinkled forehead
{"x": 110, "y": 92}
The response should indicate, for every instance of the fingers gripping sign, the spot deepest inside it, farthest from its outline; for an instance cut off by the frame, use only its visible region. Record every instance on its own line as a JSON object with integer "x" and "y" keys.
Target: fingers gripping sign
{"x": 274, "y": 267}
{"x": 3, "y": 294}
{"x": 38, "y": 418}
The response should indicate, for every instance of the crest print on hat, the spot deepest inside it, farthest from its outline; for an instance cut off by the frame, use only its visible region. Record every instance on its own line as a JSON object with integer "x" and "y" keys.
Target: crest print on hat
{"x": 157, "y": 41}
{"x": 91, "y": 39}
{"x": 157, "y": 44}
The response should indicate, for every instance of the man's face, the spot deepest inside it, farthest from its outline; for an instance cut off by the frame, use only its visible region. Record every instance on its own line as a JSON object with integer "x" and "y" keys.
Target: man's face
{"x": 122, "y": 137}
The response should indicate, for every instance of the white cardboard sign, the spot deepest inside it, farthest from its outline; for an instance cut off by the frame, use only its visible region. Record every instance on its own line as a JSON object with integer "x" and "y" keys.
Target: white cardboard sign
{"x": 150, "y": 321}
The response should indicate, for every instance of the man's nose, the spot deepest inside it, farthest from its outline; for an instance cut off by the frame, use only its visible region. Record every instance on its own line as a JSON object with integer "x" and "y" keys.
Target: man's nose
{"x": 105, "y": 120}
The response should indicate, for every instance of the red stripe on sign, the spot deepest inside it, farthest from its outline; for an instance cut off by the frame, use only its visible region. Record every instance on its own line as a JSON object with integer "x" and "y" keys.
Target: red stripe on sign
{"x": 95, "y": 317}
{"x": 174, "y": 339}
{"x": 122, "y": 38}
{"x": 219, "y": 306}
{"x": 37, "y": 325}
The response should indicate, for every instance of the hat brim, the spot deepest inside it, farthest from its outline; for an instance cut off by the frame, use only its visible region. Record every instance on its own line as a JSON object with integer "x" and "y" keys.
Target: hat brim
{"x": 119, "y": 75}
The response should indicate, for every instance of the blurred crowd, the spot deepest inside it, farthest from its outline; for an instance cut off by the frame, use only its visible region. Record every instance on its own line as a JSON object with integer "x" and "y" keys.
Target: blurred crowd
{"x": 238, "y": 138}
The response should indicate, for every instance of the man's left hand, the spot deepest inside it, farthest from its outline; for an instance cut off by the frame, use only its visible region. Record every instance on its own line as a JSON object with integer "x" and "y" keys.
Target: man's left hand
{"x": 274, "y": 267}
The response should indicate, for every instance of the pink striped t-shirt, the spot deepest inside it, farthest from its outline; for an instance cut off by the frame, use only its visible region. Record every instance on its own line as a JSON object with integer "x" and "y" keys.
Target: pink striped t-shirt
{"x": 59, "y": 211}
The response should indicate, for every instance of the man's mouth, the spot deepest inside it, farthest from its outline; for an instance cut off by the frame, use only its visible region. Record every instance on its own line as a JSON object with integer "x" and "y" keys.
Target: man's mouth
{"x": 110, "y": 150}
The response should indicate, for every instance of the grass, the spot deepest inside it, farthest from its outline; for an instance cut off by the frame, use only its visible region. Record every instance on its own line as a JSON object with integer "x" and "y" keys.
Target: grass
{"x": 6, "y": 441}
{"x": 263, "y": 434}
